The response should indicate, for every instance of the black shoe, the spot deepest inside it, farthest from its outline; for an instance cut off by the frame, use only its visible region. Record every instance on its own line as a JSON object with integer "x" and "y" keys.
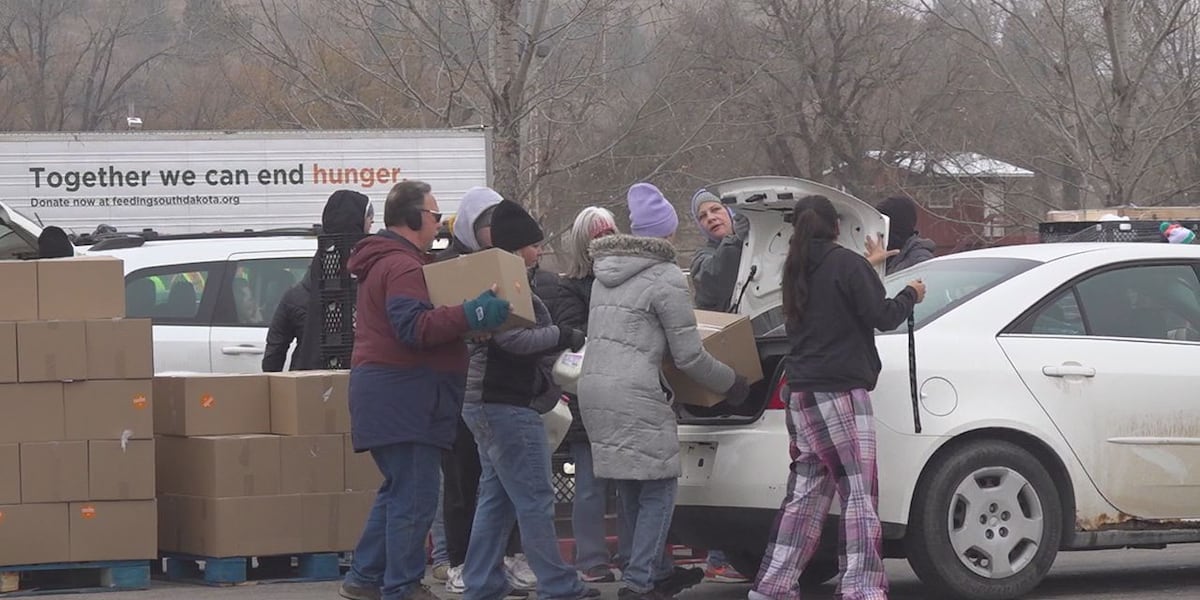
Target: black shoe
{"x": 628, "y": 594}
{"x": 680, "y": 579}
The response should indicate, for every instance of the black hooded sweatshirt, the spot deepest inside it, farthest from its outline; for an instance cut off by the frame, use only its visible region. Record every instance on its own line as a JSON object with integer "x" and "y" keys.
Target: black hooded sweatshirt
{"x": 833, "y": 349}
{"x": 298, "y": 315}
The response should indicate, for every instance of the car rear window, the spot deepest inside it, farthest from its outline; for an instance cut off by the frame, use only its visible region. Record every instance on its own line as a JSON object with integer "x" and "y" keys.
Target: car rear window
{"x": 950, "y": 283}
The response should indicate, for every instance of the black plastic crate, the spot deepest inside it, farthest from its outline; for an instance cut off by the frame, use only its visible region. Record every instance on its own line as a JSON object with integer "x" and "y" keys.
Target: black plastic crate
{"x": 340, "y": 284}
{"x": 333, "y": 250}
{"x": 1106, "y": 231}
{"x": 335, "y": 357}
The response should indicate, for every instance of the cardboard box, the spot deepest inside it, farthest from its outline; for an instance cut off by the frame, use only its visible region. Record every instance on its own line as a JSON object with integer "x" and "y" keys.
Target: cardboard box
{"x": 730, "y": 339}
{"x": 121, "y": 470}
{"x": 51, "y": 351}
{"x": 362, "y": 474}
{"x": 120, "y": 349}
{"x": 334, "y": 522}
{"x": 10, "y": 474}
{"x": 33, "y": 412}
{"x": 32, "y": 534}
{"x": 54, "y": 472}
{"x": 457, "y": 280}
{"x": 216, "y": 466}
{"x": 312, "y": 464}
{"x": 19, "y": 295}
{"x": 109, "y": 410}
{"x": 310, "y": 402}
{"x": 102, "y": 531}
{"x": 215, "y": 404}
{"x": 221, "y": 527}
{"x": 8, "y": 353}
{"x": 82, "y": 287}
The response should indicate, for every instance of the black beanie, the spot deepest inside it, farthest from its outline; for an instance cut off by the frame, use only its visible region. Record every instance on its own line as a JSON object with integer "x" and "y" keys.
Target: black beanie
{"x": 902, "y": 214}
{"x": 513, "y": 228}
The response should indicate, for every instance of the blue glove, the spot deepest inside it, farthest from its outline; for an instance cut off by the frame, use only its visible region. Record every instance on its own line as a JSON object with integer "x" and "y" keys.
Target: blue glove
{"x": 486, "y": 312}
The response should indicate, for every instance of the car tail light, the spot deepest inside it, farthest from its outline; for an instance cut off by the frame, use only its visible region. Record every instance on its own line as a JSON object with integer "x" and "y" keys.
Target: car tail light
{"x": 777, "y": 401}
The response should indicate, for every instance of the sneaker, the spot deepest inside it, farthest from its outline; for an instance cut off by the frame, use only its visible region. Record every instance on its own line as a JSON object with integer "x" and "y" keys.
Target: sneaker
{"x": 518, "y": 573}
{"x": 598, "y": 574}
{"x": 422, "y": 592}
{"x": 680, "y": 579}
{"x": 441, "y": 572}
{"x": 354, "y": 592}
{"x": 724, "y": 574}
{"x": 755, "y": 595}
{"x": 454, "y": 580}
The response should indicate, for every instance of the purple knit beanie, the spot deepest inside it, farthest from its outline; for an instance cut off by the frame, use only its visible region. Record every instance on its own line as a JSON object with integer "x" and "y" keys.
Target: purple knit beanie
{"x": 650, "y": 214}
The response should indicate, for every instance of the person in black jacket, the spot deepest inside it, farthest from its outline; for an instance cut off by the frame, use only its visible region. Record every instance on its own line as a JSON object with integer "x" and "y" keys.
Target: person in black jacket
{"x": 346, "y": 212}
{"x": 833, "y": 301}
{"x": 568, "y": 299}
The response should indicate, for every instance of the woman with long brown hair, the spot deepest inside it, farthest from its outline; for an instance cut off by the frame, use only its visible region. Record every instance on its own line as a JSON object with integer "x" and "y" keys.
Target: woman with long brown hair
{"x": 834, "y": 301}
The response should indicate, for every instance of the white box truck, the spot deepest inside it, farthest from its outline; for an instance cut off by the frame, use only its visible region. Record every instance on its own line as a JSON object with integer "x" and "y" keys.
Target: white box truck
{"x": 204, "y": 181}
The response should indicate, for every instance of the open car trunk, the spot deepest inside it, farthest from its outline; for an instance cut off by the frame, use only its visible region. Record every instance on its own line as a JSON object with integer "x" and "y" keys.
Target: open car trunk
{"x": 767, "y": 202}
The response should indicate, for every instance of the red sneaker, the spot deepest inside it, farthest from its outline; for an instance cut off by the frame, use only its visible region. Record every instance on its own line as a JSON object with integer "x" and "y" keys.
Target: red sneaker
{"x": 724, "y": 574}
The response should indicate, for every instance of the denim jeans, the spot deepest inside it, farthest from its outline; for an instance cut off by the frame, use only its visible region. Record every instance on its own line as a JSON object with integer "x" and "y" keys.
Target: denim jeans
{"x": 515, "y": 486}
{"x": 391, "y": 552}
{"x": 587, "y": 511}
{"x": 649, "y": 506}
{"x": 440, "y": 555}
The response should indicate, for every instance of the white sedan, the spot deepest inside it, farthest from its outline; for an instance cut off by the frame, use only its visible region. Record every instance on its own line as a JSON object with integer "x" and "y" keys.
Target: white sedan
{"x": 1057, "y": 403}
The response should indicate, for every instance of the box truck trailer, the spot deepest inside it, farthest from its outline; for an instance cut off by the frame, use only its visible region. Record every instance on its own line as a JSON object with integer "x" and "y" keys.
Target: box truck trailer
{"x": 204, "y": 181}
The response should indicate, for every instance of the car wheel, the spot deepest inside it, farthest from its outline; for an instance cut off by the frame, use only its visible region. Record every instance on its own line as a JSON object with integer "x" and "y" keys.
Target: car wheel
{"x": 819, "y": 570}
{"x": 985, "y": 524}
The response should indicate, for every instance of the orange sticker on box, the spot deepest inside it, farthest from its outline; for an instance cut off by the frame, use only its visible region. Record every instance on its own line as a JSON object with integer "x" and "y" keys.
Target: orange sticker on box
{"x": 139, "y": 401}
{"x": 1, "y": 516}
{"x": 207, "y": 401}
{"x": 88, "y": 512}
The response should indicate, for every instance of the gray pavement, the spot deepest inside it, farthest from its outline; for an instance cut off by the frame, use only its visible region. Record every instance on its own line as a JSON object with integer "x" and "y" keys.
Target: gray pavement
{"x": 1124, "y": 574}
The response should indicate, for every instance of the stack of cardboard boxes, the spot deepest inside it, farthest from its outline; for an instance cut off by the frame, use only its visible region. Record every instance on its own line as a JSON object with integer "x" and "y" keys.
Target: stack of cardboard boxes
{"x": 76, "y": 428}
{"x": 257, "y": 465}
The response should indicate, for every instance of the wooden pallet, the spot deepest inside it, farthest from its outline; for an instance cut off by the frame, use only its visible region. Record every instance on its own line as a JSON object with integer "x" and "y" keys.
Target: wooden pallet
{"x": 79, "y": 577}
{"x": 251, "y": 570}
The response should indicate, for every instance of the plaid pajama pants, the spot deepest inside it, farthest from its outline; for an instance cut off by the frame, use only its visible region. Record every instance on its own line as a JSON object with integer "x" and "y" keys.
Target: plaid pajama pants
{"x": 833, "y": 449}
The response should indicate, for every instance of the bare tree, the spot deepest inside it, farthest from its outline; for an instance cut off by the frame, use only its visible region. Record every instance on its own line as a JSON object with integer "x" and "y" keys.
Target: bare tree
{"x": 1083, "y": 70}
{"x": 76, "y": 60}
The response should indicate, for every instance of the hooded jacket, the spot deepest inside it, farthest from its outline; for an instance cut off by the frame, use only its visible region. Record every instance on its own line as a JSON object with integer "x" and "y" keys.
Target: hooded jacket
{"x": 409, "y": 365}
{"x": 298, "y": 315}
{"x": 640, "y": 314}
{"x": 474, "y": 203}
{"x": 833, "y": 349}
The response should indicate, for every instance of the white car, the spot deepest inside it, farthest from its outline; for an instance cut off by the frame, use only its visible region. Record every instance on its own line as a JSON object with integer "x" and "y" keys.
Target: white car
{"x": 1056, "y": 401}
{"x": 210, "y": 296}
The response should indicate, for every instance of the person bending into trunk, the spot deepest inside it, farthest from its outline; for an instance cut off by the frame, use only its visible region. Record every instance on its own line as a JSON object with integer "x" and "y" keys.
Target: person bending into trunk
{"x": 834, "y": 301}
{"x": 715, "y": 265}
{"x": 641, "y": 313}
{"x": 508, "y": 384}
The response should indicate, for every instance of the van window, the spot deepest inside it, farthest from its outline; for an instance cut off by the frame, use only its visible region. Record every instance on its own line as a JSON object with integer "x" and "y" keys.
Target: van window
{"x": 167, "y": 295}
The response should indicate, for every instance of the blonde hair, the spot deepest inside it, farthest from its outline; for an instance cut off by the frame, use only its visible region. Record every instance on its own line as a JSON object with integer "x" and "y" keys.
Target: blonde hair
{"x": 591, "y": 223}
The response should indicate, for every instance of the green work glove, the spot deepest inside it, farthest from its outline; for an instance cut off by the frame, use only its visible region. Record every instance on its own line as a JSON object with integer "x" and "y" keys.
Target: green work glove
{"x": 486, "y": 312}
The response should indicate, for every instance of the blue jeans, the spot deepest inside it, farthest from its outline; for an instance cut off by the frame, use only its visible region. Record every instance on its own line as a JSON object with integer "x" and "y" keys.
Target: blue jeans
{"x": 440, "y": 555}
{"x": 587, "y": 511}
{"x": 391, "y": 552}
{"x": 514, "y": 487}
{"x": 716, "y": 558}
{"x": 649, "y": 506}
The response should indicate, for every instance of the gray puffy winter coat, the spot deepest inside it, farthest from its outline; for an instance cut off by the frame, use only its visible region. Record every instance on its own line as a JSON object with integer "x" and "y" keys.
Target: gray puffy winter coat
{"x": 640, "y": 313}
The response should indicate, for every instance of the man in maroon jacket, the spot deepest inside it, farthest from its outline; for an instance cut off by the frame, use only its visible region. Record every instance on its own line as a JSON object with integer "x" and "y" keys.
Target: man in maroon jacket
{"x": 406, "y": 389}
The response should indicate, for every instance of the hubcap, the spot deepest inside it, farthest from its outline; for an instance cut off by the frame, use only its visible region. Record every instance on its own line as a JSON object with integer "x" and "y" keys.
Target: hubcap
{"x": 995, "y": 522}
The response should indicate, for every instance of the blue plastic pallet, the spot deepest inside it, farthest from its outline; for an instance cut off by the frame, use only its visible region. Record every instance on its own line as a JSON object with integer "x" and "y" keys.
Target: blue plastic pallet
{"x": 80, "y": 577}
{"x": 240, "y": 570}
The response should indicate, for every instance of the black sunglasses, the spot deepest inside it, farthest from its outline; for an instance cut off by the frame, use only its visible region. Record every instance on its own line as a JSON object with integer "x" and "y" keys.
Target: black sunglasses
{"x": 437, "y": 216}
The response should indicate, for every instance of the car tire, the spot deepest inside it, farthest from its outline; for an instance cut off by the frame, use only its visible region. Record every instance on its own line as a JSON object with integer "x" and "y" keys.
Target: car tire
{"x": 819, "y": 570}
{"x": 985, "y": 524}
